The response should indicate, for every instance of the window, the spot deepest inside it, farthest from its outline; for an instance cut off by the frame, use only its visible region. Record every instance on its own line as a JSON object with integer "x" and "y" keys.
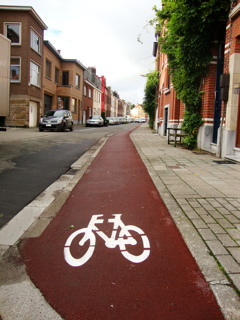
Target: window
{"x": 35, "y": 42}
{"x": 77, "y": 81}
{"x": 89, "y": 93}
{"x": 85, "y": 90}
{"x": 65, "y": 78}
{"x": 63, "y": 103}
{"x": 74, "y": 105}
{"x": 48, "y": 69}
{"x": 56, "y": 75}
{"x": 13, "y": 32}
{"x": 34, "y": 74}
{"x": 15, "y": 69}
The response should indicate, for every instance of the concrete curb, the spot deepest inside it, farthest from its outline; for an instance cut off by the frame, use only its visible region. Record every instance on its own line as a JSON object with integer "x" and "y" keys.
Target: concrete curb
{"x": 29, "y": 216}
{"x": 18, "y": 294}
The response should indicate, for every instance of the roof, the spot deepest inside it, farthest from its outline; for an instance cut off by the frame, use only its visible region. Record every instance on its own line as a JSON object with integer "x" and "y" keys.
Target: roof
{"x": 92, "y": 85}
{"x": 58, "y": 55}
{"x": 28, "y": 9}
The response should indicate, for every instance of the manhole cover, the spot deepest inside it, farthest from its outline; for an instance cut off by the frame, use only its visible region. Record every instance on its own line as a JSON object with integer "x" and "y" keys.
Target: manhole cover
{"x": 223, "y": 162}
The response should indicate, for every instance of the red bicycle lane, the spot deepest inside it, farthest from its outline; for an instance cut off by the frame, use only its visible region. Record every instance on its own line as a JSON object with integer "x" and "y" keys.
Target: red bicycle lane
{"x": 167, "y": 284}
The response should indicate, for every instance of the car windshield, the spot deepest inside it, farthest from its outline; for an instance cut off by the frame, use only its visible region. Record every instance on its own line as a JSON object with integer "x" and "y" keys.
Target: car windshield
{"x": 55, "y": 113}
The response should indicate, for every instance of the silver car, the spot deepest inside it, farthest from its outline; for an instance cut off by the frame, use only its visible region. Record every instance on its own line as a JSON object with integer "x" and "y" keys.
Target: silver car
{"x": 95, "y": 121}
{"x": 111, "y": 120}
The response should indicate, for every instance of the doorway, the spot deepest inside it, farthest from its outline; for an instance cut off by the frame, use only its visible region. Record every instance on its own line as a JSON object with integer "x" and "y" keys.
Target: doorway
{"x": 165, "y": 123}
{"x": 47, "y": 103}
{"x": 32, "y": 114}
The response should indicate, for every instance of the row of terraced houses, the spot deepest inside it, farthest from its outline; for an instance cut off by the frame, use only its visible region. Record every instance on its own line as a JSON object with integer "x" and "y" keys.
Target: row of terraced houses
{"x": 220, "y": 132}
{"x": 41, "y": 79}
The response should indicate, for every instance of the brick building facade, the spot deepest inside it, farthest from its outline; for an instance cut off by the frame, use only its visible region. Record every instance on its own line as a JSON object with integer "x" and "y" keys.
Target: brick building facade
{"x": 220, "y": 132}
{"x": 41, "y": 79}
{"x": 25, "y": 29}
{"x": 62, "y": 83}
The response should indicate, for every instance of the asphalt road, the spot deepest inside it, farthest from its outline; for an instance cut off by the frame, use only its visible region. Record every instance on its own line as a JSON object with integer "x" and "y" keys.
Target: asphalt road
{"x": 133, "y": 262}
{"x": 31, "y": 161}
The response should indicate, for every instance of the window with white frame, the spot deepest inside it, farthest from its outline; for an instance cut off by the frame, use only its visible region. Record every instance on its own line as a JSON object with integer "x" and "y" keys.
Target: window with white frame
{"x": 13, "y": 32}
{"x": 89, "y": 93}
{"x": 35, "y": 41}
{"x": 85, "y": 90}
{"x": 34, "y": 74}
{"x": 15, "y": 69}
{"x": 77, "y": 81}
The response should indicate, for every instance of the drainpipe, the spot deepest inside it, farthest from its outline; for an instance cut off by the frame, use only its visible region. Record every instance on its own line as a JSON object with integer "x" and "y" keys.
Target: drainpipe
{"x": 219, "y": 153}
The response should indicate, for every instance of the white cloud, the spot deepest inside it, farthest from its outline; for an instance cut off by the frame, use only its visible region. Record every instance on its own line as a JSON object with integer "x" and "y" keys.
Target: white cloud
{"x": 103, "y": 34}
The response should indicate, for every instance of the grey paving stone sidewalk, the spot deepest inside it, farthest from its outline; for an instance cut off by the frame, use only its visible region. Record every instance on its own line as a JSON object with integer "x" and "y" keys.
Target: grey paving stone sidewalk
{"x": 203, "y": 198}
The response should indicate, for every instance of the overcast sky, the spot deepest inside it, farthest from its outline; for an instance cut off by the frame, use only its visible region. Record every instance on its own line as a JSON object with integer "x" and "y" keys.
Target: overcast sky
{"x": 103, "y": 34}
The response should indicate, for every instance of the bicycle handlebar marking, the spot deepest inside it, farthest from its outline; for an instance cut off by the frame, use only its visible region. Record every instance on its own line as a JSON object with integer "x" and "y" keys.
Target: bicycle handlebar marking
{"x": 124, "y": 238}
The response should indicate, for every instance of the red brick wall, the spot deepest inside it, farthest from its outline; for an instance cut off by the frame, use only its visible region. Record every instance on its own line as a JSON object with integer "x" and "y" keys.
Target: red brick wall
{"x": 208, "y": 98}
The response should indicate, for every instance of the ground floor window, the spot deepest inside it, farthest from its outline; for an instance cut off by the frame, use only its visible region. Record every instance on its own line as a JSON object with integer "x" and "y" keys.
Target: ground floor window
{"x": 74, "y": 105}
{"x": 15, "y": 69}
{"x": 63, "y": 103}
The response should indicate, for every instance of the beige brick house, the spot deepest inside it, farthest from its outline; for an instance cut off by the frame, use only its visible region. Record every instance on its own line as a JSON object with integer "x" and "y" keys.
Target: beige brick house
{"x": 62, "y": 83}
{"x": 25, "y": 29}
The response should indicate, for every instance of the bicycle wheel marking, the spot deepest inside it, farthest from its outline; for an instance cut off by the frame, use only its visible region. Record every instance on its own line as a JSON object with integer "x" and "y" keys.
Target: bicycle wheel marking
{"x": 125, "y": 238}
{"x": 77, "y": 262}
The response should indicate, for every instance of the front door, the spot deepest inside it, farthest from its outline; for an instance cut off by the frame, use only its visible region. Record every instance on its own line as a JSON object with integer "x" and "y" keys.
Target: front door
{"x": 33, "y": 114}
{"x": 47, "y": 103}
{"x": 165, "y": 121}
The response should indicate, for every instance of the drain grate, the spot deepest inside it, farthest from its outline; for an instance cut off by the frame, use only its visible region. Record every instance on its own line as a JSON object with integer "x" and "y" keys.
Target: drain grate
{"x": 72, "y": 172}
{"x": 224, "y": 162}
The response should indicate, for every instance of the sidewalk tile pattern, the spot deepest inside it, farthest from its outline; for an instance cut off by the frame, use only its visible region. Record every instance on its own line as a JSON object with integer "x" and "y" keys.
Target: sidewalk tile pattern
{"x": 206, "y": 192}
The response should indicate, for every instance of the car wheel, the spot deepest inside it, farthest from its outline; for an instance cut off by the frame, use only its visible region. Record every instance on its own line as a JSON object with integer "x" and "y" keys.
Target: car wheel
{"x": 63, "y": 127}
{"x": 40, "y": 129}
{"x": 71, "y": 128}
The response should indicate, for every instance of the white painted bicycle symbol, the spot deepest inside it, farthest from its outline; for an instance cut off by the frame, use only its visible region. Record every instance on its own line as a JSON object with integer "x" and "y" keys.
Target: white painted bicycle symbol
{"x": 124, "y": 238}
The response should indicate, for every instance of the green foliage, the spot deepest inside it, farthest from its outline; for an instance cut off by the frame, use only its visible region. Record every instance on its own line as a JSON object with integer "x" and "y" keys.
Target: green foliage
{"x": 149, "y": 101}
{"x": 187, "y": 29}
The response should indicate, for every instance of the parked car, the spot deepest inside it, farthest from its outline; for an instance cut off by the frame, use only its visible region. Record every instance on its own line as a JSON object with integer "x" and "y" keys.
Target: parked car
{"x": 95, "y": 121}
{"x": 142, "y": 119}
{"x": 56, "y": 120}
{"x": 116, "y": 120}
{"x": 122, "y": 120}
{"x": 137, "y": 120}
{"x": 111, "y": 120}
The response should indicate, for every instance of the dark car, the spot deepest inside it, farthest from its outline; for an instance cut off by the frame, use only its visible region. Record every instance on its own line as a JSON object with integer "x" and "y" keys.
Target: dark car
{"x": 56, "y": 120}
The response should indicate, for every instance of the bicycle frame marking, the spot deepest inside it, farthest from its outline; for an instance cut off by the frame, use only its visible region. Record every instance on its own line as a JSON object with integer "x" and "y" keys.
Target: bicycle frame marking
{"x": 124, "y": 238}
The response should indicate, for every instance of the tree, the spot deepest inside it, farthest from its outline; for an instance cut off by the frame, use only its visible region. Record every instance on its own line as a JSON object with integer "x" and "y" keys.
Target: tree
{"x": 149, "y": 100}
{"x": 187, "y": 29}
